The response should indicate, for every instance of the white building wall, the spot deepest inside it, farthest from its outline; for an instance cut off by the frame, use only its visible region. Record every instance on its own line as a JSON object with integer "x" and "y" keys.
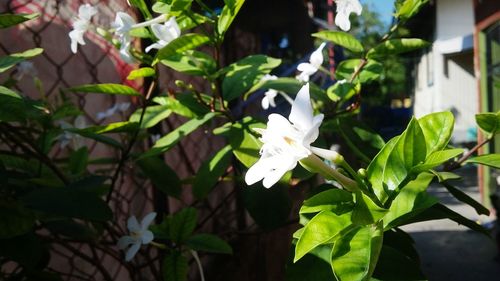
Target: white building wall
{"x": 446, "y": 81}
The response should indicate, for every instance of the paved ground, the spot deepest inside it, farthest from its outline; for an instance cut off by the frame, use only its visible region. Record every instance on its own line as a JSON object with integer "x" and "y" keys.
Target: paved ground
{"x": 452, "y": 252}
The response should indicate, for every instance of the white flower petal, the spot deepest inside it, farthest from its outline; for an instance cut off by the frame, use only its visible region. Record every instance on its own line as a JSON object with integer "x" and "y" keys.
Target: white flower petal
{"x": 342, "y": 21}
{"x": 257, "y": 171}
{"x": 306, "y": 67}
{"x": 147, "y": 220}
{"x": 154, "y": 46}
{"x": 133, "y": 225}
{"x": 132, "y": 251}
{"x": 124, "y": 241}
{"x": 313, "y": 132}
{"x": 265, "y": 103}
{"x": 146, "y": 237}
{"x": 282, "y": 164}
{"x": 316, "y": 58}
{"x": 344, "y": 9}
{"x": 301, "y": 114}
{"x": 86, "y": 11}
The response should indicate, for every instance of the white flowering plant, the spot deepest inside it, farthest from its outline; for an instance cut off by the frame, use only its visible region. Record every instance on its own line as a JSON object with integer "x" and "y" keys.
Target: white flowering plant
{"x": 347, "y": 227}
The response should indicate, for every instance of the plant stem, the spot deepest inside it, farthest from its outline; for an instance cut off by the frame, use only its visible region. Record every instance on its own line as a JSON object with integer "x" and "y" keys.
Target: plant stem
{"x": 458, "y": 163}
{"x": 314, "y": 164}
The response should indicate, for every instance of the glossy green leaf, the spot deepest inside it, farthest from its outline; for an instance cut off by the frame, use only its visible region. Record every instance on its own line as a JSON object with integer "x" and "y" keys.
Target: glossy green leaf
{"x": 208, "y": 243}
{"x": 15, "y": 219}
{"x": 141, "y": 73}
{"x": 489, "y": 122}
{"x": 175, "y": 267}
{"x": 210, "y": 171}
{"x": 117, "y": 127}
{"x": 412, "y": 200}
{"x": 78, "y": 161}
{"x": 366, "y": 211}
{"x": 110, "y": 89}
{"x": 172, "y": 138}
{"x": 243, "y": 74}
{"x": 437, "y": 129}
{"x": 97, "y": 137}
{"x": 393, "y": 164}
{"x": 270, "y": 208}
{"x": 227, "y": 16}
{"x": 181, "y": 44}
{"x": 361, "y": 139}
{"x": 172, "y": 7}
{"x": 492, "y": 160}
{"x": 396, "y": 46}
{"x": 8, "y": 20}
{"x": 409, "y": 8}
{"x": 355, "y": 254}
{"x": 71, "y": 229}
{"x": 163, "y": 177}
{"x": 142, "y": 6}
{"x": 342, "y": 92}
{"x": 321, "y": 229}
{"x": 191, "y": 21}
{"x": 12, "y": 106}
{"x": 70, "y": 203}
{"x": 244, "y": 140}
{"x": 184, "y": 105}
{"x": 191, "y": 62}
{"x": 340, "y": 38}
{"x": 182, "y": 224}
{"x": 153, "y": 115}
{"x": 370, "y": 72}
{"x": 437, "y": 158}
{"x": 11, "y": 60}
{"x": 334, "y": 200}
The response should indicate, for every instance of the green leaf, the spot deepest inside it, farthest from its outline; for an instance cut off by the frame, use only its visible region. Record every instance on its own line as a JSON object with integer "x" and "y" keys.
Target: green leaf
{"x": 409, "y": 8}
{"x": 71, "y": 229}
{"x": 492, "y": 160}
{"x": 489, "y": 122}
{"x": 370, "y": 72}
{"x": 99, "y": 138}
{"x": 366, "y": 211}
{"x": 355, "y": 254}
{"x": 463, "y": 197}
{"x": 394, "y": 265}
{"x": 142, "y": 6}
{"x": 439, "y": 211}
{"x": 191, "y": 62}
{"x": 362, "y": 140}
{"x": 320, "y": 230}
{"x": 70, "y": 203}
{"x": 244, "y": 142}
{"x": 152, "y": 116}
{"x": 172, "y": 7}
{"x": 184, "y": 105}
{"x": 208, "y": 243}
{"x": 437, "y": 158}
{"x": 182, "y": 224}
{"x": 243, "y": 74}
{"x": 163, "y": 177}
{"x": 437, "y": 129}
{"x": 335, "y": 200}
{"x": 141, "y": 73}
{"x": 9, "y": 61}
{"x": 191, "y": 21}
{"x": 412, "y": 200}
{"x": 227, "y": 16}
{"x": 393, "y": 164}
{"x": 12, "y": 106}
{"x": 311, "y": 267}
{"x": 342, "y": 92}
{"x": 396, "y": 46}
{"x": 8, "y": 20}
{"x": 117, "y": 127}
{"x": 171, "y": 139}
{"x": 343, "y": 39}
{"x": 210, "y": 171}
{"x": 270, "y": 208}
{"x": 175, "y": 267}
{"x": 15, "y": 219}
{"x": 78, "y": 161}
{"x": 110, "y": 89}
{"x": 181, "y": 44}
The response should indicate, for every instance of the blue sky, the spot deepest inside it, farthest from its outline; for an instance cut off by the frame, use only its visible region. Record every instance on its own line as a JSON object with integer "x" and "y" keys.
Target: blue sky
{"x": 383, "y": 7}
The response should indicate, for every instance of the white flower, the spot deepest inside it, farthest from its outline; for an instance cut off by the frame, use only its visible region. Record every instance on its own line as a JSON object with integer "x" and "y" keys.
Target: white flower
{"x": 269, "y": 96}
{"x": 68, "y": 137}
{"x": 315, "y": 62}
{"x": 285, "y": 141}
{"x": 139, "y": 235}
{"x": 165, "y": 33}
{"x": 25, "y": 68}
{"x": 344, "y": 10}
{"x": 122, "y": 25}
{"x": 81, "y": 25}
{"x": 119, "y": 107}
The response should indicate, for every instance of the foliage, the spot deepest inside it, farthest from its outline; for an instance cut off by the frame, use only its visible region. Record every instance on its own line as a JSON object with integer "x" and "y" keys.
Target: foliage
{"x": 349, "y": 225}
